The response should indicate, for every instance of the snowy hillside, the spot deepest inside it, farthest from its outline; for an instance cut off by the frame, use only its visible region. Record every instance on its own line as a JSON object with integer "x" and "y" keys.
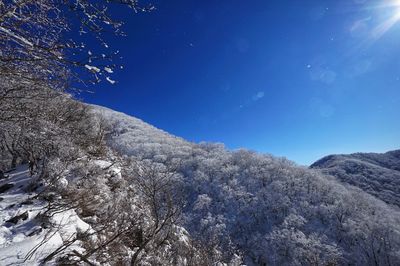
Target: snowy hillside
{"x": 26, "y": 236}
{"x": 259, "y": 206}
{"x": 378, "y": 174}
{"x": 132, "y": 136}
{"x": 113, "y": 190}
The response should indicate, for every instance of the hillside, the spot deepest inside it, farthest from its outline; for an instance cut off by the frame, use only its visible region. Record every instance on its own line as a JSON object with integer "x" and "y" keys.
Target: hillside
{"x": 140, "y": 196}
{"x": 131, "y": 136}
{"x": 376, "y": 173}
{"x": 245, "y": 203}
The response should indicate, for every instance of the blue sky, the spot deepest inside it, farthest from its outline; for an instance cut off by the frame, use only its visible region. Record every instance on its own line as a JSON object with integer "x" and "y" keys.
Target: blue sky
{"x": 300, "y": 79}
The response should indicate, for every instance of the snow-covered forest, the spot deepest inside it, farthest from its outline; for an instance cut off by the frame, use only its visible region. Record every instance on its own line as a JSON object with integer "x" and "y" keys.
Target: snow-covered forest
{"x": 84, "y": 185}
{"x": 143, "y": 196}
{"x": 375, "y": 173}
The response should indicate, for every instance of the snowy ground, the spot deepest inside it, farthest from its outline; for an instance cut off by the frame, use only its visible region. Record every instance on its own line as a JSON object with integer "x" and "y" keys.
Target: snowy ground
{"x": 17, "y": 241}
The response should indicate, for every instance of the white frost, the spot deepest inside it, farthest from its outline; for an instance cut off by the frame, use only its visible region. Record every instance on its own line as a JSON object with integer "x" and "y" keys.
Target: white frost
{"x": 93, "y": 68}
{"x": 110, "y": 80}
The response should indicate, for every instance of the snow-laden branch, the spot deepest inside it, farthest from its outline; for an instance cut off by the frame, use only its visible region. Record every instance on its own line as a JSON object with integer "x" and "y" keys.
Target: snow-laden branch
{"x": 11, "y": 34}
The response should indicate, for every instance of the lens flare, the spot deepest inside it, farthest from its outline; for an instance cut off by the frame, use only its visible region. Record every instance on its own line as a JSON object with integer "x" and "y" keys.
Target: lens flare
{"x": 393, "y": 11}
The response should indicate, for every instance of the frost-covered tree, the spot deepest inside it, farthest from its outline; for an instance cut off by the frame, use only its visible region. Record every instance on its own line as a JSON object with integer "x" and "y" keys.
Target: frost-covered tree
{"x": 46, "y": 40}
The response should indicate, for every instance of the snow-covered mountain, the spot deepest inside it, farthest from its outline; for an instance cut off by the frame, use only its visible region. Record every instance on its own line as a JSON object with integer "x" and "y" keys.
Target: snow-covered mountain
{"x": 150, "y": 198}
{"x": 376, "y": 173}
{"x": 131, "y": 136}
{"x": 263, "y": 208}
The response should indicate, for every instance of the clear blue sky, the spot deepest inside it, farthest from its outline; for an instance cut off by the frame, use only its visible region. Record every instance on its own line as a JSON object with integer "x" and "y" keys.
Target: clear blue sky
{"x": 300, "y": 79}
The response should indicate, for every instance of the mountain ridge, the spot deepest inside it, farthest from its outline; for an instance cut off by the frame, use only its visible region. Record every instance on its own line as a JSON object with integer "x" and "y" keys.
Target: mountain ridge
{"x": 376, "y": 173}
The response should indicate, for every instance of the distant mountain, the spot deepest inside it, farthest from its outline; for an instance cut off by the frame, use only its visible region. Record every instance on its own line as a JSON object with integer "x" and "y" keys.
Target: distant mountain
{"x": 376, "y": 173}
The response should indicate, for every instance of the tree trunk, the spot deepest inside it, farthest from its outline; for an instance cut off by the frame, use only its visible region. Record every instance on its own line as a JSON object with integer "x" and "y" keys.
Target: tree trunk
{"x": 14, "y": 161}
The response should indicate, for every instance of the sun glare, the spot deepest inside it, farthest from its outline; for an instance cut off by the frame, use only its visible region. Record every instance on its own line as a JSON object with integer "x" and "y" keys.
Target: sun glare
{"x": 396, "y": 6}
{"x": 393, "y": 17}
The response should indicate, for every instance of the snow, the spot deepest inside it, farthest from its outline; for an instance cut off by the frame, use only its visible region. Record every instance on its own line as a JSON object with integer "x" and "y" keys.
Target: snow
{"x": 182, "y": 235}
{"x": 108, "y": 70}
{"x": 132, "y": 136}
{"x": 92, "y": 68}
{"x": 102, "y": 163}
{"x": 377, "y": 174}
{"x": 18, "y": 241}
{"x": 110, "y": 80}
{"x": 15, "y": 36}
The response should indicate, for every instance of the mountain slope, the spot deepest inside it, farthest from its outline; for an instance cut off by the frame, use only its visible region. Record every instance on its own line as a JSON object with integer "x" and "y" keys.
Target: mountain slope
{"x": 149, "y": 198}
{"x": 376, "y": 173}
{"x": 265, "y": 209}
{"x": 131, "y": 136}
